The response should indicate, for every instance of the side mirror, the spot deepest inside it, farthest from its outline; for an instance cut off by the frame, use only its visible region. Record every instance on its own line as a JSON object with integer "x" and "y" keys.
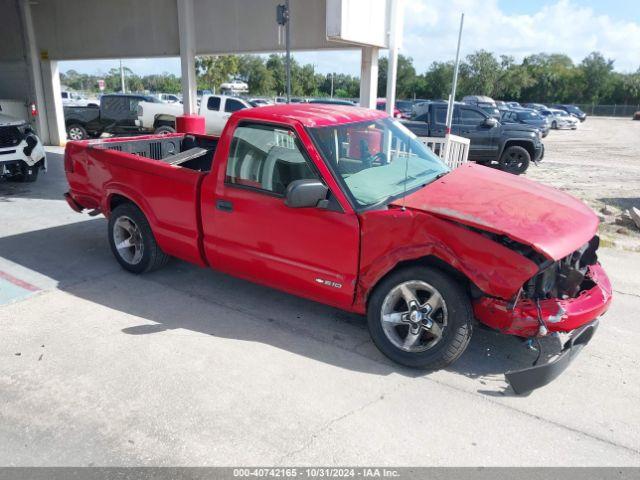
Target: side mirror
{"x": 490, "y": 122}
{"x": 305, "y": 193}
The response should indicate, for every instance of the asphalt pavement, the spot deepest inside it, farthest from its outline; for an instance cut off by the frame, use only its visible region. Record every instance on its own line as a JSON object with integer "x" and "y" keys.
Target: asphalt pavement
{"x": 186, "y": 366}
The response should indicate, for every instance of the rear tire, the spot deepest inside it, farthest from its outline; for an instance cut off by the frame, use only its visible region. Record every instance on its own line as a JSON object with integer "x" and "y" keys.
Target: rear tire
{"x": 439, "y": 302}
{"x": 554, "y": 125}
{"x": 132, "y": 241}
{"x": 77, "y": 132}
{"x": 515, "y": 160}
{"x": 164, "y": 130}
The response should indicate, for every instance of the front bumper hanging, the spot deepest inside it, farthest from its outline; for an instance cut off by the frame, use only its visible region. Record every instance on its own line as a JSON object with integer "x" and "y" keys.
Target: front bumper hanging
{"x": 528, "y": 379}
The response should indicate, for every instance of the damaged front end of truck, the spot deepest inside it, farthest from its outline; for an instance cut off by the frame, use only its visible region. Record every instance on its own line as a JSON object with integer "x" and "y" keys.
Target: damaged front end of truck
{"x": 565, "y": 296}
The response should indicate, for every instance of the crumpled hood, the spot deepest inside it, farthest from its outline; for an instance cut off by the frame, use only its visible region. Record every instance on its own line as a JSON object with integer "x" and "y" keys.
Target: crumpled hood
{"x": 552, "y": 222}
{"x": 6, "y": 121}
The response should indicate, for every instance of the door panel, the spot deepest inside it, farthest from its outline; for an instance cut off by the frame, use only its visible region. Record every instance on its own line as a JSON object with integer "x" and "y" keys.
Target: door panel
{"x": 251, "y": 233}
{"x": 470, "y": 124}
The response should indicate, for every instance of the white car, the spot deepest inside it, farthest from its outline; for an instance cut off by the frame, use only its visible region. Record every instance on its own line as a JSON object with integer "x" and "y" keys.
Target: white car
{"x": 21, "y": 153}
{"x": 559, "y": 119}
{"x": 234, "y": 87}
{"x": 169, "y": 98}
{"x": 216, "y": 110}
{"x": 74, "y": 99}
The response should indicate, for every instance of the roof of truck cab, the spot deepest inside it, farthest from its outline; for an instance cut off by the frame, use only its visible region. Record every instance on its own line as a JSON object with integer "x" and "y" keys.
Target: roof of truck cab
{"x": 310, "y": 115}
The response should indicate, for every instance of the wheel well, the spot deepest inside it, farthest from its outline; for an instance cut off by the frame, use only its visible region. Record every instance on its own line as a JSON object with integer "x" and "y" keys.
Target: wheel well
{"x": 164, "y": 120}
{"x": 435, "y": 262}
{"x": 75, "y": 122}
{"x": 528, "y": 146}
{"x": 117, "y": 200}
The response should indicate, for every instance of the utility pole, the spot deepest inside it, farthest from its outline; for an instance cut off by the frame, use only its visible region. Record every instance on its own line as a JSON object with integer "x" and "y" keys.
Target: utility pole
{"x": 283, "y": 17}
{"x": 331, "y": 84}
{"x": 122, "y": 78}
{"x": 452, "y": 97}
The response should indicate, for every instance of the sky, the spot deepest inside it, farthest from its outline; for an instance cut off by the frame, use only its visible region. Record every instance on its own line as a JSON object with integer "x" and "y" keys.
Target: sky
{"x": 511, "y": 27}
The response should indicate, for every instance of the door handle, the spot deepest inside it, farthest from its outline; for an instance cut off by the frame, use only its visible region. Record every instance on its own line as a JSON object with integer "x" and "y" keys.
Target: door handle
{"x": 224, "y": 205}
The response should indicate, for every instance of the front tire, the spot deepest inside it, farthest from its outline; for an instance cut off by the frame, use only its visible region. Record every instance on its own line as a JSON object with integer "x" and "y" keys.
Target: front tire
{"x": 420, "y": 317}
{"x": 554, "y": 125}
{"x": 132, "y": 241}
{"x": 515, "y": 160}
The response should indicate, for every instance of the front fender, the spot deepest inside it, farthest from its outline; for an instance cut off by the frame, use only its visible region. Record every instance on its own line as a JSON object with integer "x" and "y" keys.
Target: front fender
{"x": 393, "y": 236}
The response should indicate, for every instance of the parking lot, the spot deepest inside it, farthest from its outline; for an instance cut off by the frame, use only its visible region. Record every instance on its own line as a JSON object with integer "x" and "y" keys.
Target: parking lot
{"x": 187, "y": 366}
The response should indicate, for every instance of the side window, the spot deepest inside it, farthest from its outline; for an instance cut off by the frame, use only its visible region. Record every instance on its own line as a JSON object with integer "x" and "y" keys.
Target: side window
{"x": 213, "y": 103}
{"x": 470, "y": 117}
{"x": 422, "y": 118}
{"x": 441, "y": 115}
{"x": 115, "y": 106}
{"x": 133, "y": 105}
{"x": 267, "y": 158}
{"x": 232, "y": 105}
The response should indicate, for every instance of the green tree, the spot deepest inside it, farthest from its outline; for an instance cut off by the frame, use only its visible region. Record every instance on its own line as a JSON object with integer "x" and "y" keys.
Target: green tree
{"x": 596, "y": 75}
{"x": 212, "y": 71}
{"x": 405, "y": 78}
{"x": 479, "y": 74}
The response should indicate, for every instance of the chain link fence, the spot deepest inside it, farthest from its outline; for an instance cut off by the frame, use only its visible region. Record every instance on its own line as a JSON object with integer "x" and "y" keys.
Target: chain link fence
{"x": 609, "y": 110}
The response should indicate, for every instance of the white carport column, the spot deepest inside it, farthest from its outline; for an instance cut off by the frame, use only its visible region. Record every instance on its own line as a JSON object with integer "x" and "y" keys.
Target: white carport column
{"x": 369, "y": 77}
{"x": 53, "y": 102}
{"x": 186, "y": 28}
{"x": 35, "y": 73}
{"x": 396, "y": 8}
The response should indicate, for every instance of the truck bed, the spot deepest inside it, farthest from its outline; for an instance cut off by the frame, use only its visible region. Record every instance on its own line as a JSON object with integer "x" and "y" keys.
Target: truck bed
{"x": 161, "y": 174}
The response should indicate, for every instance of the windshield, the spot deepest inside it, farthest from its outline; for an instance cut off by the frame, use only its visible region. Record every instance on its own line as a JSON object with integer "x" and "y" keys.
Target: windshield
{"x": 378, "y": 161}
{"x": 529, "y": 115}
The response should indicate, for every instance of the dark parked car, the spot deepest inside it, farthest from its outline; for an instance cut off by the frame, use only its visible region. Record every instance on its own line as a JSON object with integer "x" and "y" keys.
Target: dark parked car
{"x": 528, "y": 117}
{"x": 511, "y": 147}
{"x": 405, "y": 107}
{"x": 535, "y": 106}
{"x": 487, "y": 104}
{"x": 117, "y": 115}
{"x": 572, "y": 110}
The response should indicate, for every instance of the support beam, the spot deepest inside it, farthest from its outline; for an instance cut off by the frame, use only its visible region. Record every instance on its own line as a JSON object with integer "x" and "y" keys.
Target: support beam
{"x": 395, "y": 36}
{"x": 186, "y": 29}
{"x": 369, "y": 77}
{"x": 53, "y": 102}
{"x": 35, "y": 73}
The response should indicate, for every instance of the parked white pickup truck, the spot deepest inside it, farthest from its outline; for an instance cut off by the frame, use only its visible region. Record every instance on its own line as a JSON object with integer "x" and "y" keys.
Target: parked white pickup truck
{"x": 216, "y": 110}
{"x": 21, "y": 153}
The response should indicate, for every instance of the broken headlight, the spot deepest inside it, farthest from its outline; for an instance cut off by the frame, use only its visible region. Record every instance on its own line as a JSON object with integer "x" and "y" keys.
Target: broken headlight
{"x": 565, "y": 278}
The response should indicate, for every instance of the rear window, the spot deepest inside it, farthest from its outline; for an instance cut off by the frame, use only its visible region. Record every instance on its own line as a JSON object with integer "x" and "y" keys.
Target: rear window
{"x": 213, "y": 103}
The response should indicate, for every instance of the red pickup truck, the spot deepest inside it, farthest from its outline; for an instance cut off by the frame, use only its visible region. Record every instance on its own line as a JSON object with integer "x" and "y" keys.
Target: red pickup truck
{"x": 346, "y": 207}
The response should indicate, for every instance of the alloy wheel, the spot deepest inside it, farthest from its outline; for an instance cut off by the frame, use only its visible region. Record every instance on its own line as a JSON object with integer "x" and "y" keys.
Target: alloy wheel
{"x": 414, "y": 316}
{"x": 127, "y": 238}
{"x": 75, "y": 133}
